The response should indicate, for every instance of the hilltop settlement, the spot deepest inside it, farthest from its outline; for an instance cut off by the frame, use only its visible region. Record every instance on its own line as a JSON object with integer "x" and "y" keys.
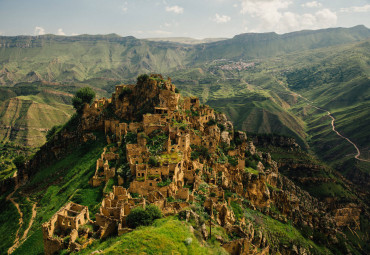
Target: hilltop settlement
{"x": 176, "y": 154}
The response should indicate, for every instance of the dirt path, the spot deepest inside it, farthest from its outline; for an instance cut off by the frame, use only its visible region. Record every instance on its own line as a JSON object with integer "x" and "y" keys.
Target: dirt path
{"x": 357, "y": 156}
{"x": 16, "y": 240}
{"x": 34, "y": 213}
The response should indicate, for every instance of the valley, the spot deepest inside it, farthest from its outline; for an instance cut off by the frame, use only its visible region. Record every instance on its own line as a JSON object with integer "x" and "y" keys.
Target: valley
{"x": 259, "y": 193}
{"x": 302, "y": 98}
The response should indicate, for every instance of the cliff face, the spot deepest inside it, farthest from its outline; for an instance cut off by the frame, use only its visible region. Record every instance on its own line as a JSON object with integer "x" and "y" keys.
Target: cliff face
{"x": 188, "y": 160}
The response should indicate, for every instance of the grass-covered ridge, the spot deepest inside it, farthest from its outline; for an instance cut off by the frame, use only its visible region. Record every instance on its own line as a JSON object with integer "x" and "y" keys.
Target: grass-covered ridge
{"x": 165, "y": 236}
{"x": 53, "y": 186}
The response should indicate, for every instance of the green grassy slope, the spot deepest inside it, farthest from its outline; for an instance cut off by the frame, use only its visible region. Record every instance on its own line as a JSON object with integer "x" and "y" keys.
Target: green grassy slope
{"x": 25, "y": 119}
{"x": 54, "y": 58}
{"x": 166, "y": 236}
{"x": 337, "y": 80}
{"x": 257, "y": 46}
{"x": 53, "y": 186}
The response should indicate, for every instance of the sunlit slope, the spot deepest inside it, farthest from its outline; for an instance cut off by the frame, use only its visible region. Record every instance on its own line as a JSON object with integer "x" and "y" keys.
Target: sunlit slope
{"x": 337, "y": 80}
{"x": 258, "y": 46}
{"x": 26, "y": 119}
{"x": 55, "y": 58}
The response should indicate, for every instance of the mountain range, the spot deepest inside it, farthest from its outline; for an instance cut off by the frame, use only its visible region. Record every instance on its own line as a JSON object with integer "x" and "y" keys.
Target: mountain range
{"x": 265, "y": 83}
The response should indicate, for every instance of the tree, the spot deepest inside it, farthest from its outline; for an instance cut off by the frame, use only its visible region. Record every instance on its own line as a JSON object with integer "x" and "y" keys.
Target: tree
{"x": 142, "y": 78}
{"x": 83, "y": 96}
{"x": 143, "y": 217}
{"x": 19, "y": 161}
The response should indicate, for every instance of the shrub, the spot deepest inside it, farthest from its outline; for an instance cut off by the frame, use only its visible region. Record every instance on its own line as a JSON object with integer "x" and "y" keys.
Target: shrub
{"x": 142, "y": 78}
{"x": 19, "y": 161}
{"x": 125, "y": 92}
{"x": 154, "y": 212}
{"x": 194, "y": 155}
{"x": 211, "y": 122}
{"x": 232, "y": 160}
{"x": 164, "y": 183}
{"x": 156, "y": 143}
{"x": 153, "y": 162}
{"x": 131, "y": 137}
{"x": 194, "y": 113}
{"x": 143, "y": 217}
{"x": 251, "y": 164}
{"x": 83, "y": 96}
{"x": 221, "y": 127}
{"x": 51, "y": 132}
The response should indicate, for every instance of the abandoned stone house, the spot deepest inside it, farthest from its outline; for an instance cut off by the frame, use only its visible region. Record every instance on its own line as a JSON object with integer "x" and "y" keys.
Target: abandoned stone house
{"x": 66, "y": 222}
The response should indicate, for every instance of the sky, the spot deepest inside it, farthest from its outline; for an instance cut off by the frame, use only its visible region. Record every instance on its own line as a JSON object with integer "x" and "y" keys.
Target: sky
{"x": 177, "y": 18}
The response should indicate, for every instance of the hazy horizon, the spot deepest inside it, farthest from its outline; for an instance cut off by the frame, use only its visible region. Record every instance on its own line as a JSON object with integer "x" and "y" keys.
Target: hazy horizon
{"x": 176, "y": 18}
{"x": 186, "y": 37}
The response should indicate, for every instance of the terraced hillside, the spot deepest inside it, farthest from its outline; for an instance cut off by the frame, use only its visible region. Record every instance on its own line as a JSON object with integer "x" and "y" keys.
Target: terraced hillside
{"x": 26, "y": 119}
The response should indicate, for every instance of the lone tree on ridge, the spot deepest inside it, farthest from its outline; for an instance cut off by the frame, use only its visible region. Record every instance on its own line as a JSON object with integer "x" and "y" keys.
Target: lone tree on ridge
{"x": 83, "y": 96}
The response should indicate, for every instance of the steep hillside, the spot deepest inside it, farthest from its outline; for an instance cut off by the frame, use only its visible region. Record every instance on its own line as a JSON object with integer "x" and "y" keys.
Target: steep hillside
{"x": 147, "y": 153}
{"x": 258, "y": 46}
{"x": 79, "y": 58}
{"x": 26, "y": 119}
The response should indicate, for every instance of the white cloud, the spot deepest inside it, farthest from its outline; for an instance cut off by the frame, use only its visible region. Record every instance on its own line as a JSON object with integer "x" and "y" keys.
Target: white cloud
{"x": 124, "y": 7}
{"x": 326, "y": 18}
{"x": 221, "y": 18}
{"x": 312, "y": 4}
{"x": 160, "y": 32}
{"x": 74, "y": 34}
{"x": 169, "y": 24}
{"x": 60, "y": 32}
{"x": 39, "y": 31}
{"x": 365, "y": 8}
{"x": 175, "y": 9}
{"x": 273, "y": 15}
{"x": 266, "y": 10}
{"x": 292, "y": 22}
{"x": 152, "y": 33}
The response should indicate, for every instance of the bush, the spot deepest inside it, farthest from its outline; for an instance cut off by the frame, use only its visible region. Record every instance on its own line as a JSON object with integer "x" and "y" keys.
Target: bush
{"x": 164, "y": 183}
{"x": 143, "y": 217}
{"x": 83, "y": 96}
{"x": 19, "y": 161}
{"x": 221, "y": 127}
{"x": 232, "y": 160}
{"x": 125, "y": 92}
{"x": 156, "y": 143}
{"x": 251, "y": 164}
{"x": 51, "y": 132}
{"x": 131, "y": 138}
{"x": 142, "y": 78}
{"x": 153, "y": 162}
{"x": 154, "y": 212}
{"x": 212, "y": 122}
{"x": 199, "y": 151}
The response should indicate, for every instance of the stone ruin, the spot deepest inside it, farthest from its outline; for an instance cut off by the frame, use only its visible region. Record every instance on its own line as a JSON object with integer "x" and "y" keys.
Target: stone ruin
{"x": 65, "y": 227}
{"x": 201, "y": 155}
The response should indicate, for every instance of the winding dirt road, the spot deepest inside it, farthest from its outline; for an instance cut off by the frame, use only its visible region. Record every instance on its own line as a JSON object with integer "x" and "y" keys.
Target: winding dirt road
{"x": 357, "y": 156}
{"x": 34, "y": 213}
{"x": 18, "y": 241}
